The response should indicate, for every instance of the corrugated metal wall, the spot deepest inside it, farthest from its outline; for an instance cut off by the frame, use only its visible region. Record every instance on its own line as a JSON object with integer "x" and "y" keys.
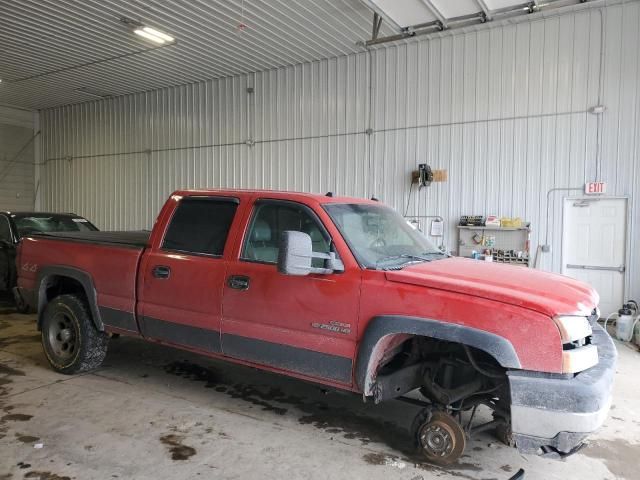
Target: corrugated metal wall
{"x": 503, "y": 109}
{"x": 129, "y": 153}
{"x": 16, "y": 168}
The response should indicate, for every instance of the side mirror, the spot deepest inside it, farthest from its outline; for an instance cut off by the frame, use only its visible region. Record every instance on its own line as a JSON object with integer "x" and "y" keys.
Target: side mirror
{"x": 296, "y": 254}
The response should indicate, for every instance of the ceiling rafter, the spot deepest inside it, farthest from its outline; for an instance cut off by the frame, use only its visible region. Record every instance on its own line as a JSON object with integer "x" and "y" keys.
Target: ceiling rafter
{"x": 447, "y": 15}
{"x": 387, "y": 19}
{"x": 485, "y": 9}
{"x": 436, "y": 13}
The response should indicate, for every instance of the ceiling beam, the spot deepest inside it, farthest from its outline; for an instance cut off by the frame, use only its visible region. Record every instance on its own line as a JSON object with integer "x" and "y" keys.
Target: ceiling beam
{"x": 436, "y": 13}
{"x": 388, "y": 20}
{"x": 519, "y": 10}
{"x": 377, "y": 23}
{"x": 485, "y": 9}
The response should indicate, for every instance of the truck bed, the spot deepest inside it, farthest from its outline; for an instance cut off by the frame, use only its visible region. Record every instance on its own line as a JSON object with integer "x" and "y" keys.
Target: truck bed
{"x": 109, "y": 261}
{"x": 135, "y": 239}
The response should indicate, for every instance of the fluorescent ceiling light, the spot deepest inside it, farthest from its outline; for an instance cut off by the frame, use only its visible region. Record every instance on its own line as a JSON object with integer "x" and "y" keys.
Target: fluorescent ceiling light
{"x": 149, "y": 36}
{"x": 149, "y": 33}
{"x": 158, "y": 33}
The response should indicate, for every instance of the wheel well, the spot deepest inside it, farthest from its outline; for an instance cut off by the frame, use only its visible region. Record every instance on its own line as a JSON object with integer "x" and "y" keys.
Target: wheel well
{"x": 451, "y": 376}
{"x": 387, "y": 335}
{"x": 56, "y": 285}
{"x": 59, "y": 285}
{"x": 56, "y": 280}
{"x": 398, "y": 363}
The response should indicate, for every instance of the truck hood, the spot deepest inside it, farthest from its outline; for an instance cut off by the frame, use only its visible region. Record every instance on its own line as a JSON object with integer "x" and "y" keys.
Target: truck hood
{"x": 547, "y": 293}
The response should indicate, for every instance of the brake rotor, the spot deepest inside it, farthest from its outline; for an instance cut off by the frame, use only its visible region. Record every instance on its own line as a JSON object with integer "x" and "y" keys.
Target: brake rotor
{"x": 441, "y": 439}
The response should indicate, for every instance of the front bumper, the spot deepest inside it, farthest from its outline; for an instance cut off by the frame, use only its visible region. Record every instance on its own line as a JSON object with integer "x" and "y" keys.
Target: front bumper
{"x": 560, "y": 411}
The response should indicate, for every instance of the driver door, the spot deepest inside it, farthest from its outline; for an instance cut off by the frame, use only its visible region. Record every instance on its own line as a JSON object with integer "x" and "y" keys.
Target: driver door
{"x": 306, "y": 325}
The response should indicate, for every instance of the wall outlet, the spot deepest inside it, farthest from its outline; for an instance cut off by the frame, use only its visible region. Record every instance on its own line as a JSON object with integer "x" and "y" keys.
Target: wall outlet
{"x": 546, "y": 248}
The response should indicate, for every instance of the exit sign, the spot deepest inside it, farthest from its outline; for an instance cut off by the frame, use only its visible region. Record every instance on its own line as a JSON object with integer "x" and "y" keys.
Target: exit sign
{"x": 591, "y": 188}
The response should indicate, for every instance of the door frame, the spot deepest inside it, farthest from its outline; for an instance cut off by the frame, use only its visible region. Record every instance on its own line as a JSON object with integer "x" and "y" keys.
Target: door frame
{"x": 627, "y": 236}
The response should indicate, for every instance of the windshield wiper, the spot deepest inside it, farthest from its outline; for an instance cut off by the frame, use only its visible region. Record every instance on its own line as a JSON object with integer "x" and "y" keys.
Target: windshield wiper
{"x": 408, "y": 256}
{"x": 424, "y": 257}
{"x": 443, "y": 254}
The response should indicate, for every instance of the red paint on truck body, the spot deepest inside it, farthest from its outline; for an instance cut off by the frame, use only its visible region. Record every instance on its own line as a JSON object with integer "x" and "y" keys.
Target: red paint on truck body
{"x": 113, "y": 270}
{"x": 321, "y": 316}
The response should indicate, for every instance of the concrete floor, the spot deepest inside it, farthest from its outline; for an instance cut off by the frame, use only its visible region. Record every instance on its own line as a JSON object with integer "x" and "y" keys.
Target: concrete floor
{"x": 152, "y": 412}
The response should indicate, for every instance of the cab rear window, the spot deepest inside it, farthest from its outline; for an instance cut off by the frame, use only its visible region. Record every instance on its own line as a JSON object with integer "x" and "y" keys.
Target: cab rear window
{"x": 200, "y": 226}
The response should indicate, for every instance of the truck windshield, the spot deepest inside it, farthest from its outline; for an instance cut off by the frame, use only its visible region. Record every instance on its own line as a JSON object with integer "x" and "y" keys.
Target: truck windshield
{"x": 380, "y": 237}
{"x": 31, "y": 224}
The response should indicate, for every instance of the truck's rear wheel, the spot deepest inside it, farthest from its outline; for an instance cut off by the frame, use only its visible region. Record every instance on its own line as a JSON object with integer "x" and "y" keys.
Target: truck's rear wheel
{"x": 439, "y": 436}
{"x": 70, "y": 340}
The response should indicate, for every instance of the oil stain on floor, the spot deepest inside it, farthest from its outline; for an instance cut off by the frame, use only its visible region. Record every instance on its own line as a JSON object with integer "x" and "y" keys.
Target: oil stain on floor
{"x": 214, "y": 380}
{"x": 19, "y": 340}
{"x": 319, "y": 414}
{"x": 12, "y": 372}
{"x": 178, "y": 450}
{"x": 39, "y": 475}
{"x": 16, "y": 417}
{"x": 26, "y": 438}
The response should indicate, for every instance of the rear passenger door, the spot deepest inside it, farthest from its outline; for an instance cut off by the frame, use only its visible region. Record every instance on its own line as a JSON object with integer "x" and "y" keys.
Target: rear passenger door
{"x": 181, "y": 295}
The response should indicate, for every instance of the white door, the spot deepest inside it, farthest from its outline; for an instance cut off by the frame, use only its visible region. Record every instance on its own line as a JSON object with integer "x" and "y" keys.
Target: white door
{"x": 593, "y": 246}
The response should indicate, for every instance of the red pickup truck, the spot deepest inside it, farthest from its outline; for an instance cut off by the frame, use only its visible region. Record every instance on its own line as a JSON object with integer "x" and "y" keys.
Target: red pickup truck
{"x": 338, "y": 291}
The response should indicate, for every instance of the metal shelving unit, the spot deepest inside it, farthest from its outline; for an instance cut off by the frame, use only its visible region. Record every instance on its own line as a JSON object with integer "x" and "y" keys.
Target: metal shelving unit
{"x": 505, "y": 244}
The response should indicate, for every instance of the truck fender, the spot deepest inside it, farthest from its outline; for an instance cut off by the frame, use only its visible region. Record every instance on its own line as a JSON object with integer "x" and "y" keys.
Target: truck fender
{"x": 50, "y": 272}
{"x": 382, "y": 330}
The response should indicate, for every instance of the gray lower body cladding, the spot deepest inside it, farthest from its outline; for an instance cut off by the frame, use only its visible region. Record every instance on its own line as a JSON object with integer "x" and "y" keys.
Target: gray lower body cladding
{"x": 559, "y": 411}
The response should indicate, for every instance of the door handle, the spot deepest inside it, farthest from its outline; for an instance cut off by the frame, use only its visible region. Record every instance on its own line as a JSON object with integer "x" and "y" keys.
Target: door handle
{"x": 161, "y": 271}
{"x": 238, "y": 282}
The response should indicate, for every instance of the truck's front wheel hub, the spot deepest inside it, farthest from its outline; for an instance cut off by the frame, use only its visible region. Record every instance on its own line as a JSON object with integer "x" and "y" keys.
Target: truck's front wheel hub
{"x": 441, "y": 438}
{"x": 437, "y": 439}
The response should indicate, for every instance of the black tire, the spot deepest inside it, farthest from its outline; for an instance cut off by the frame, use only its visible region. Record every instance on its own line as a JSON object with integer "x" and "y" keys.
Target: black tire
{"x": 70, "y": 340}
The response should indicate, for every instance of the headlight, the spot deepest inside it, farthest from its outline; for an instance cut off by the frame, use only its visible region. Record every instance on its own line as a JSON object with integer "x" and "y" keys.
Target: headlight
{"x": 579, "y": 359}
{"x": 578, "y": 356}
{"x": 573, "y": 328}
